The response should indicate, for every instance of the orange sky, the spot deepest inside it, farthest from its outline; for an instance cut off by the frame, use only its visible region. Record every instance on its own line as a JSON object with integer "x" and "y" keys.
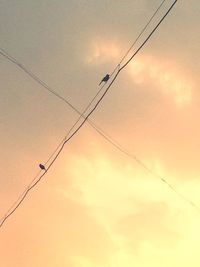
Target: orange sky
{"x": 98, "y": 207}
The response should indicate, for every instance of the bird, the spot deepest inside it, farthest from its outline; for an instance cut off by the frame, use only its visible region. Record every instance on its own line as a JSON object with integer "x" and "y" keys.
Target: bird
{"x": 105, "y": 79}
{"x": 42, "y": 167}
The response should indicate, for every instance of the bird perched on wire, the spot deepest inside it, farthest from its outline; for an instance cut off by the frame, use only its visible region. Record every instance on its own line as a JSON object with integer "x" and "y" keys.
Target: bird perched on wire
{"x": 105, "y": 79}
{"x": 42, "y": 167}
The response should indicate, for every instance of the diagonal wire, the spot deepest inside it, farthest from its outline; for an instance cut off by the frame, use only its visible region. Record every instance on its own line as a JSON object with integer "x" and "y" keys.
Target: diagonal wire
{"x": 13, "y": 60}
{"x": 9, "y": 57}
{"x": 89, "y": 114}
{"x": 138, "y": 37}
{"x": 47, "y": 87}
{"x": 119, "y": 147}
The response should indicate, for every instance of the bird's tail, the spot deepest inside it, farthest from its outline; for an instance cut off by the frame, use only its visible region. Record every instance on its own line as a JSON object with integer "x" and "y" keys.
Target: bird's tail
{"x": 100, "y": 83}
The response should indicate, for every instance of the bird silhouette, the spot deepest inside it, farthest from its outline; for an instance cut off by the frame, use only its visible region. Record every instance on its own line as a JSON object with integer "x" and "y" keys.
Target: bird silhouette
{"x": 105, "y": 79}
{"x": 42, "y": 167}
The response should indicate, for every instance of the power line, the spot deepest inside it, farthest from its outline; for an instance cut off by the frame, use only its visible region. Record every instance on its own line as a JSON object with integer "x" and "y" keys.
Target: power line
{"x": 149, "y": 36}
{"x": 61, "y": 148}
{"x": 140, "y": 34}
{"x": 86, "y": 117}
{"x": 9, "y": 57}
{"x": 119, "y": 147}
{"x": 34, "y": 77}
{"x": 47, "y": 87}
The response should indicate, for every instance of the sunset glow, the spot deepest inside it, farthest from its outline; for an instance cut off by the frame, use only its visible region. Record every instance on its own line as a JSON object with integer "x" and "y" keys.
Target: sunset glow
{"x": 127, "y": 194}
{"x": 163, "y": 76}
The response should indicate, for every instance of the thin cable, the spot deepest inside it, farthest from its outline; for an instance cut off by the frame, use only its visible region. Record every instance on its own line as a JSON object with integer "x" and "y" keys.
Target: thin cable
{"x": 89, "y": 114}
{"x": 43, "y": 84}
{"x": 33, "y": 76}
{"x": 149, "y": 36}
{"x": 76, "y": 122}
{"x": 118, "y": 146}
{"x": 5, "y": 54}
{"x": 47, "y": 87}
{"x": 105, "y": 92}
{"x": 138, "y": 37}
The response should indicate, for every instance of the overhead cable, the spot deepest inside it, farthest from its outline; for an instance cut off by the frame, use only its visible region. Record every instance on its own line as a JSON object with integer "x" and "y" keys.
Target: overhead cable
{"x": 47, "y": 87}
{"x": 87, "y": 116}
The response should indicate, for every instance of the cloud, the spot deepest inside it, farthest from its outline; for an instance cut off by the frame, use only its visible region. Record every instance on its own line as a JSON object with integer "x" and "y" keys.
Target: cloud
{"x": 165, "y": 76}
{"x": 148, "y": 225}
{"x": 101, "y": 51}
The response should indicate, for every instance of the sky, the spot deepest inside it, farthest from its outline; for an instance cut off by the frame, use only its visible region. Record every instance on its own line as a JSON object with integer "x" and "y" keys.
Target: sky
{"x": 97, "y": 207}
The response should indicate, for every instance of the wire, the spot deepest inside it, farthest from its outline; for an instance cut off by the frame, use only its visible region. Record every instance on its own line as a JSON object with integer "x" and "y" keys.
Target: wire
{"x": 119, "y": 147}
{"x": 85, "y": 119}
{"x": 33, "y": 76}
{"x": 149, "y": 36}
{"x": 5, "y": 54}
{"x": 47, "y": 87}
{"x": 138, "y": 37}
